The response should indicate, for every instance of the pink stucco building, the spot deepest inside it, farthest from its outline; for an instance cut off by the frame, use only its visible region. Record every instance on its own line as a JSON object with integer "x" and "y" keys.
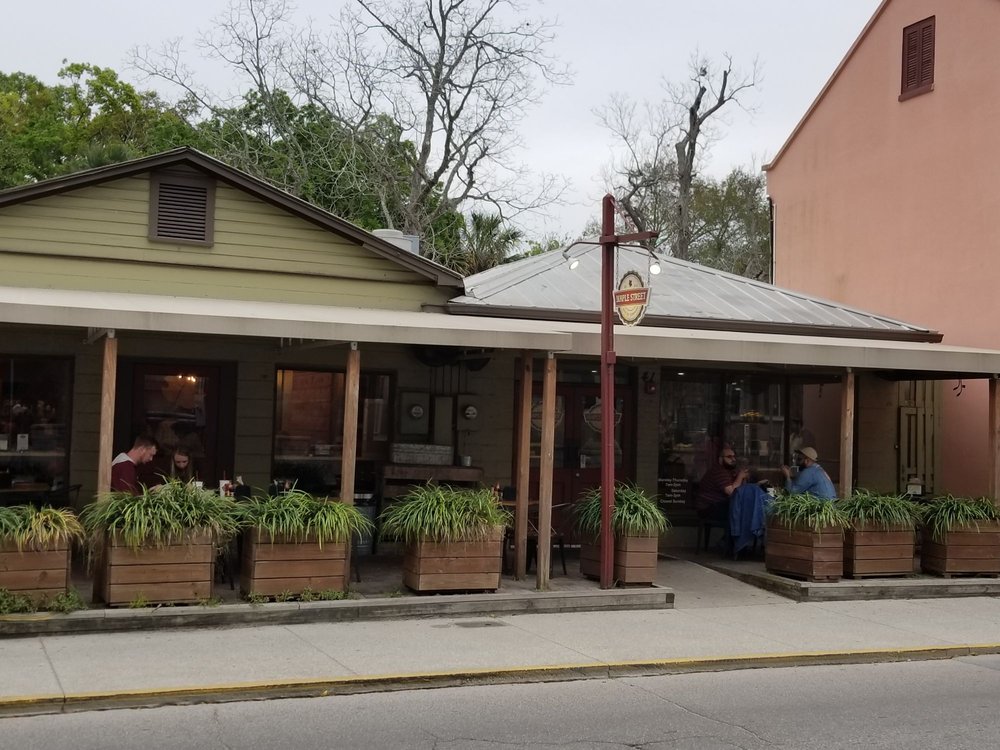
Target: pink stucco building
{"x": 885, "y": 197}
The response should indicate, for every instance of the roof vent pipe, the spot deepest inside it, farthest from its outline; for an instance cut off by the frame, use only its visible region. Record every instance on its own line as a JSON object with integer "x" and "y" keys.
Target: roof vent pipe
{"x": 407, "y": 242}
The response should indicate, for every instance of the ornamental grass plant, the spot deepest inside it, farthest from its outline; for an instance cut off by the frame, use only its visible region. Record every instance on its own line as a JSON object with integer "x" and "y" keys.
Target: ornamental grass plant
{"x": 805, "y": 511}
{"x": 950, "y": 513}
{"x": 29, "y": 527}
{"x": 885, "y": 511}
{"x": 296, "y": 515}
{"x": 635, "y": 512}
{"x": 441, "y": 513}
{"x": 161, "y": 515}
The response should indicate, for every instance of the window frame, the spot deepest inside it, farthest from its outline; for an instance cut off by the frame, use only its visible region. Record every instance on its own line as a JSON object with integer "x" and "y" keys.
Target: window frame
{"x": 908, "y": 92}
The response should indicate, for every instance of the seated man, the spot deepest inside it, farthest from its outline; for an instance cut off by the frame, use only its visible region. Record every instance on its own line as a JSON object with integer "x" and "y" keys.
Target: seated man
{"x": 812, "y": 478}
{"x": 124, "y": 473}
{"x": 717, "y": 486}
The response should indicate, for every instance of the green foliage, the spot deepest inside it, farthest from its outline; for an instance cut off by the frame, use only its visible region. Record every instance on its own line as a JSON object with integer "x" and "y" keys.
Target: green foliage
{"x": 12, "y": 603}
{"x": 38, "y": 528}
{"x": 296, "y": 515}
{"x": 308, "y": 595}
{"x": 807, "y": 512}
{"x": 331, "y": 595}
{"x": 885, "y": 511}
{"x": 161, "y": 515}
{"x": 212, "y": 601}
{"x": 948, "y": 513}
{"x": 635, "y": 512}
{"x": 731, "y": 224}
{"x": 139, "y": 602}
{"x": 440, "y": 513}
{"x": 254, "y": 598}
{"x": 65, "y": 601}
{"x": 91, "y": 118}
{"x": 484, "y": 242}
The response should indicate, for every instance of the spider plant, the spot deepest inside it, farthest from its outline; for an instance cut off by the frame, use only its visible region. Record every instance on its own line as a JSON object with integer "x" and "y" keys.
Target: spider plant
{"x": 806, "y": 511}
{"x": 440, "y": 513}
{"x": 161, "y": 515}
{"x": 635, "y": 513}
{"x": 38, "y": 528}
{"x": 884, "y": 511}
{"x": 950, "y": 513}
{"x": 297, "y": 514}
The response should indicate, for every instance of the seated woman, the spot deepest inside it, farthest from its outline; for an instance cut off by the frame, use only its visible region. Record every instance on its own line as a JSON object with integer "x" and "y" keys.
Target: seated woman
{"x": 181, "y": 465}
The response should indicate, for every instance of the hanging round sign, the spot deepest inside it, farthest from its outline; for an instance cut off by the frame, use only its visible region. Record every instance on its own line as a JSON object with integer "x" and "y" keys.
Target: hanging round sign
{"x": 631, "y": 298}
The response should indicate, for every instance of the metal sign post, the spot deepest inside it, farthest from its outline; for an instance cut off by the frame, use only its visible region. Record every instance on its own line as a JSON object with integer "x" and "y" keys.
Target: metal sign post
{"x": 609, "y": 242}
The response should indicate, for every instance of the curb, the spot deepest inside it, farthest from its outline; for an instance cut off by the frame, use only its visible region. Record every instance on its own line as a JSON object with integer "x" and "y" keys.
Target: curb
{"x": 322, "y": 687}
{"x": 346, "y": 610}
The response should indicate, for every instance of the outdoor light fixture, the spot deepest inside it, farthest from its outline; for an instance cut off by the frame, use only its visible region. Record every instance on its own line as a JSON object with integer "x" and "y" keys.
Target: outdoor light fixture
{"x": 654, "y": 267}
{"x": 573, "y": 262}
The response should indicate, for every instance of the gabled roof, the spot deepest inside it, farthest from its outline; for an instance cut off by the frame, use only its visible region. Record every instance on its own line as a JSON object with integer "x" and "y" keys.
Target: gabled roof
{"x": 684, "y": 295}
{"x": 829, "y": 84}
{"x": 194, "y": 159}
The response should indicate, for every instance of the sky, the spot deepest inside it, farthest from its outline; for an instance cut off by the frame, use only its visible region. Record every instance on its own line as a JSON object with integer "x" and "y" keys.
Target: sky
{"x": 626, "y": 47}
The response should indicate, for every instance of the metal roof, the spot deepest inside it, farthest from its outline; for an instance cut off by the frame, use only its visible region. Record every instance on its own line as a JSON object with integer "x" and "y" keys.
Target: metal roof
{"x": 685, "y": 295}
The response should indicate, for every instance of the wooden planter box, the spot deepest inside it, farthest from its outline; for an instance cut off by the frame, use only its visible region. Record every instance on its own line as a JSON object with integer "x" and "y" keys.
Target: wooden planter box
{"x": 807, "y": 554}
{"x": 635, "y": 560}
{"x": 454, "y": 566}
{"x": 38, "y": 573}
{"x": 874, "y": 551}
{"x": 272, "y": 566}
{"x": 179, "y": 573}
{"x": 964, "y": 552}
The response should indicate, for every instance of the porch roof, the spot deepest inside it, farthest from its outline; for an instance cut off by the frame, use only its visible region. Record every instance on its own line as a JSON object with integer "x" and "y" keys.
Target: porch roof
{"x": 142, "y": 312}
{"x": 83, "y": 309}
{"x": 897, "y": 359}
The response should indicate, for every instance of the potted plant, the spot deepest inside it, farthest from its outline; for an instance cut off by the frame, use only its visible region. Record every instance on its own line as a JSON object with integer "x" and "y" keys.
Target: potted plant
{"x": 35, "y": 548}
{"x": 961, "y": 536}
{"x": 453, "y": 537}
{"x": 158, "y": 546}
{"x": 296, "y": 541}
{"x": 637, "y": 522}
{"x": 880, "y": 538}
{"x": 805, "y": 538}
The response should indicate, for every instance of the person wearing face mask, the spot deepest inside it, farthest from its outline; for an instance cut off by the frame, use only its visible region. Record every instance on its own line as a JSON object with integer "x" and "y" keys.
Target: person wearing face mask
{"x": 812, "y": 478}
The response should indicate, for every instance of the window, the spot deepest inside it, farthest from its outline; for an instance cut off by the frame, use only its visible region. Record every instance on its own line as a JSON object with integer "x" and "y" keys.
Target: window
{"x": 181, "y": 209}
{"x": 918, "y": 59}
{"x": 35, "y": 396}
{"x": 309, "y": 425}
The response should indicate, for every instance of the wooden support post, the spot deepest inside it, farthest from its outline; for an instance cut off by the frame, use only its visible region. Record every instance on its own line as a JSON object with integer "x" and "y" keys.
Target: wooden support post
{"x": 523, "y": 469}
{"x": 994, "y": 419}
{"x": 847, "y": 434}
{"x": 349, "y": 454}
{"x": 545, "y": 468}
{"x": 109, "y": 375}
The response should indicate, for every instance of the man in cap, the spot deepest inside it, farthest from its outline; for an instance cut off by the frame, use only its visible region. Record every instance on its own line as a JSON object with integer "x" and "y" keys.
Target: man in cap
{"x": 812, "y": 478}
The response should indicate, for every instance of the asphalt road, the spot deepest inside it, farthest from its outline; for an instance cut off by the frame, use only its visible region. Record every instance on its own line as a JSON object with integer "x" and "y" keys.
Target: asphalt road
{"x": 937, "y": 704}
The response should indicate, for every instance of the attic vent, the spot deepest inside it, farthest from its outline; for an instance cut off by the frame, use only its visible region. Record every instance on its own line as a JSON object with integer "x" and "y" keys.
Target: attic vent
{"x": 181, "y": 209}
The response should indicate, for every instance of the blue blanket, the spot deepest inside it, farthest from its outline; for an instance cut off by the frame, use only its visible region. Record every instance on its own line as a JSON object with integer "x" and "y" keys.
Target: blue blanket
{"x": 747, "y": 507}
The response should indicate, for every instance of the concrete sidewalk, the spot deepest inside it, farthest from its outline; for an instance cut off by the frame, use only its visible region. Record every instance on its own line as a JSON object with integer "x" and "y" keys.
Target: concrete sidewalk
{"x": 717, "y": 623}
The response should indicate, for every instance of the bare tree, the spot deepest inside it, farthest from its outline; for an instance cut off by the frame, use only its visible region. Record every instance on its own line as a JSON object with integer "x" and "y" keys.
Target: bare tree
{"x": 655, "y": 176}
{"x": 453, "y": 77}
